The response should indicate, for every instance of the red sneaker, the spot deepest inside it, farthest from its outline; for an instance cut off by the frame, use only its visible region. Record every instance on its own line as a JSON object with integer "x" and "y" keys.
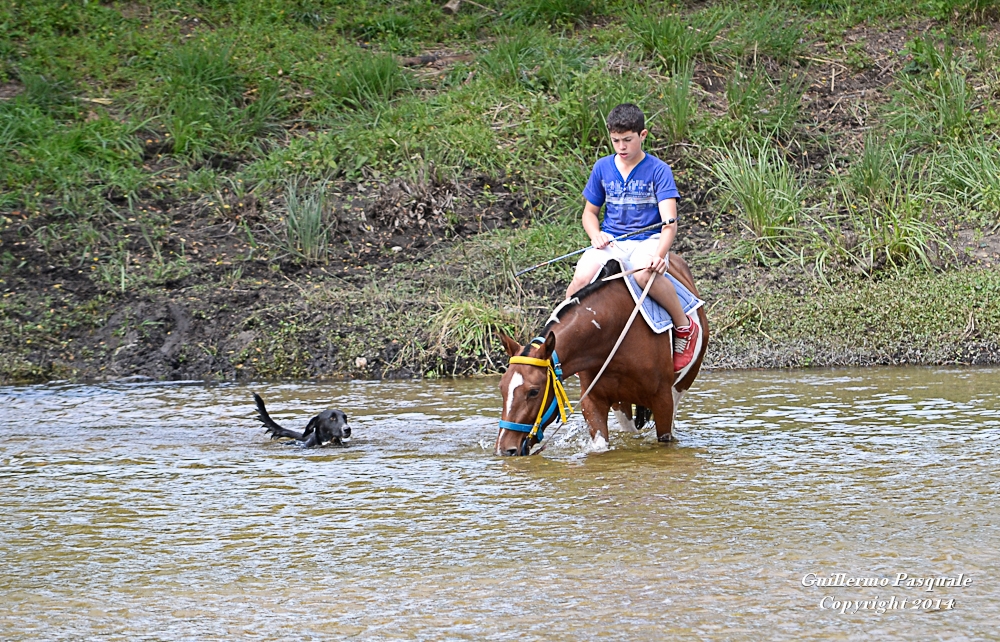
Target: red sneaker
{"x": 685, "y": 341}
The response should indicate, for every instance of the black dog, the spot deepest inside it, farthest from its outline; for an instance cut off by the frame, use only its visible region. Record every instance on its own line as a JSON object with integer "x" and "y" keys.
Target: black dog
{"x": 329, "y": 426}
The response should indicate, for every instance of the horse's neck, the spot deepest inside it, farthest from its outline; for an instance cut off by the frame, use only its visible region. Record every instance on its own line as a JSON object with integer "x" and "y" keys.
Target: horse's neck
{"x": 586, "y": 333}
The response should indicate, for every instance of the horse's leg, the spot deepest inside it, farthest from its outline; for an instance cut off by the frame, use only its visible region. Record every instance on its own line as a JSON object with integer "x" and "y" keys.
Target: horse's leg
{"x": 623, "y": 414}
{"x": 663, "y": 414}
{"x": 595, "y": 412}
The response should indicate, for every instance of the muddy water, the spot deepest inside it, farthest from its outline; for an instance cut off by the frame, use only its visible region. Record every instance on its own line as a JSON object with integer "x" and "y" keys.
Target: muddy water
{"x": 162, "y": 512}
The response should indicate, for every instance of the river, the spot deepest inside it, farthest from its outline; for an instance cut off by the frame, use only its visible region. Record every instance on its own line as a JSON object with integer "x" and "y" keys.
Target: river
{"x": 161, "y": 511}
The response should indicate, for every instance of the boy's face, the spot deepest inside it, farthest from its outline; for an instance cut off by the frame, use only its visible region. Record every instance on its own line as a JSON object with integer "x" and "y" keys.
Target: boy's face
{"x": 628, "y": 144}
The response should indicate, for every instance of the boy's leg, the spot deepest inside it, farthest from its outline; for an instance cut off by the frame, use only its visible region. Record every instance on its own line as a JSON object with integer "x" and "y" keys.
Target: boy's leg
{"x": 588, "y": 265}
{"x": 663, "y": 291}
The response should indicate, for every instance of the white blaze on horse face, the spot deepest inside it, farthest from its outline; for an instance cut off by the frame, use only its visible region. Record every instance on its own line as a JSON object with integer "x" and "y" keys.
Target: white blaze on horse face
{"x": 515, "y": 381}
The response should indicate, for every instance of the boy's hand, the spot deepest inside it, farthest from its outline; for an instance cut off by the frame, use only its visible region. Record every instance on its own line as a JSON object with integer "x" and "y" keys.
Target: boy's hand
{"x": 657, "y": 264}
{"x": 602, "y": 240}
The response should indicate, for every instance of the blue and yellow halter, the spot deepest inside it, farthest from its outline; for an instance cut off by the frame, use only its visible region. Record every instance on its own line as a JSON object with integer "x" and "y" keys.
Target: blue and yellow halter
{"x": 553, "y": 383}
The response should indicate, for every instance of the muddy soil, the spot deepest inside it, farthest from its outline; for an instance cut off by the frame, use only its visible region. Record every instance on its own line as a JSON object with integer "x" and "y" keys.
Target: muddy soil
{"x": 216, "y": 300}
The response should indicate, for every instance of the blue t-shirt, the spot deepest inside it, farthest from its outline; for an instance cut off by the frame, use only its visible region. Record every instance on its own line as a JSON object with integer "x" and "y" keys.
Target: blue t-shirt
{"x": 633, "y": 206}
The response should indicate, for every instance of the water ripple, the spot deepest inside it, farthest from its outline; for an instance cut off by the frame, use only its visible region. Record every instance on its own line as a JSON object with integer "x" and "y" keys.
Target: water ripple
{"x": 161, "y": 511}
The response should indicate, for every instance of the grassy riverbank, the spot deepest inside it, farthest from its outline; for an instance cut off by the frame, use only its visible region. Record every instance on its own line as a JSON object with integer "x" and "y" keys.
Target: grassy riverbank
{"x": 286, "y": 189}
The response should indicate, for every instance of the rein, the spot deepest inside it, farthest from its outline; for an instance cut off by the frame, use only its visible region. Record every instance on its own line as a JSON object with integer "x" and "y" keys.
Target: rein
{"x": 562, "y": 399}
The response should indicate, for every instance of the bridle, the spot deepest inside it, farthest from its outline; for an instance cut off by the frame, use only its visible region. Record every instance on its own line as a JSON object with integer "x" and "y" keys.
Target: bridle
{"x": 557, "y": 402}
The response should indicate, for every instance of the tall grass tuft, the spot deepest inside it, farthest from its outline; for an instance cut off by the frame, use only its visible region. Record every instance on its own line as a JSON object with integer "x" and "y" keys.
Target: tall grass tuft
{"x": 887, "y": 220}
{"x": 896, "y": 232}
{"x": 969, "y": 176}
{"x": 762, "y": 188}
{"x": 678, "y": 106}
{"x": 556, "y": 11}
{"x": 759, "y": 102}
{"x": 934, "y": 102}
{"x": 307, "y": 226}
{"x": 51, "y": 95}
{"x": 881, "y": 164}
{"x": 766, "y": 32}
{"x": 206, "y": 105}
{"x": 673, "y": 40}
{"x": 581, "y": 113}
{"x": 373, "y": 79}
{"x": 513, "y": 55}
{"x": 470, "y": 327}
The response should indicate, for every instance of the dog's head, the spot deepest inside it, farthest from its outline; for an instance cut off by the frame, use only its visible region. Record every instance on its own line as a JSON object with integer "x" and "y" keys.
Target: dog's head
{"x": 328, "y": 427}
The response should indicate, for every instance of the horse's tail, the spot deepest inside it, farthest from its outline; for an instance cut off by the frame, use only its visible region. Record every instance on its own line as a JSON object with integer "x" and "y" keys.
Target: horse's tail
{"x": 270, "y": 425}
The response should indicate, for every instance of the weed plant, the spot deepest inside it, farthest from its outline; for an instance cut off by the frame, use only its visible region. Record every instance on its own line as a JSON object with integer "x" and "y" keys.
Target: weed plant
{"x": 307, "y": 222}
{"x": 761, "y": 187}
{"x": 968, "y": 176}
{"x": 755, "y": 100}
{"x": 765, "y": 32}
{"x": 675, "y": 41}
{"x": 556, "y": 11}
{"x": 471, "y": 327}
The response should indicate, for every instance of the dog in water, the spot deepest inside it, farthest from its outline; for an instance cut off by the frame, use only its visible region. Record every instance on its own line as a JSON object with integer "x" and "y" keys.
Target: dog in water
{"x": 328, "y": 427}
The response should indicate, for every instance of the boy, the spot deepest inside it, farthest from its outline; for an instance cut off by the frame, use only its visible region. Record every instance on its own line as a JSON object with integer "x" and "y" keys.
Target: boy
{"x": 637, "y": 190}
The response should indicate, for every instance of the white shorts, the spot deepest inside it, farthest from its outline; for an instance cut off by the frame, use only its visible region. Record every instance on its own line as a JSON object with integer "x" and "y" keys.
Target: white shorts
{"x": 624, "y": 251}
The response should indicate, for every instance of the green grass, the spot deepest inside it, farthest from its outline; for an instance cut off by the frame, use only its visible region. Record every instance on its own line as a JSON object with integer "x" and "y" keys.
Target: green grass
{"x": 471, "y": 327}
{"x": 757, "y": 101}
{"x": 307, "y": 222}
{"x": 768, "y": 31}
{"x": 968, "y": 176}
{"x": 556, "y": 11}
{"x": 672, "y": 40}
{"x": 760, "y": 185}
{"x": 109, "y": 108}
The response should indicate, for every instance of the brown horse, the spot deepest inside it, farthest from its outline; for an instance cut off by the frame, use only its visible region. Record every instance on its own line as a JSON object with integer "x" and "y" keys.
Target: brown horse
{"x": 577, "y": 339}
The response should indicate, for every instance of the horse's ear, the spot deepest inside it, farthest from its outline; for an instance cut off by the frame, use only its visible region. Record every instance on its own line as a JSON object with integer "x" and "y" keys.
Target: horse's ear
{"x": 512, "y": 347}
{"x": 549, "y": 346}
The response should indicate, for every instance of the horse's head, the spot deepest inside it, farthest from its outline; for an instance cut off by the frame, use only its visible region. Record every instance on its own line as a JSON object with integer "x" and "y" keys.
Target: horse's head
{"x": 530, "y": 382}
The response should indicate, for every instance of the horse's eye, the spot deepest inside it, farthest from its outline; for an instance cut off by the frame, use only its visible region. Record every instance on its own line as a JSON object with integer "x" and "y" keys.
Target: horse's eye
{"x": 532, "y": 393}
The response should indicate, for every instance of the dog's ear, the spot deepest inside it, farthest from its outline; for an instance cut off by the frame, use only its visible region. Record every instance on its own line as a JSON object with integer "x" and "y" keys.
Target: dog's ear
{"x": 310, "y": 427}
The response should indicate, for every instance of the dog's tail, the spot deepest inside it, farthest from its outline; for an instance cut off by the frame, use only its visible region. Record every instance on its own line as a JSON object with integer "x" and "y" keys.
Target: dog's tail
{"x": 270, "y": 425}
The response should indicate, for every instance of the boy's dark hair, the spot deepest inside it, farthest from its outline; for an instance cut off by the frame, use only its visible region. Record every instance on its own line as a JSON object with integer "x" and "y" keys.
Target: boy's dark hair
{"x": 626, "y": 118}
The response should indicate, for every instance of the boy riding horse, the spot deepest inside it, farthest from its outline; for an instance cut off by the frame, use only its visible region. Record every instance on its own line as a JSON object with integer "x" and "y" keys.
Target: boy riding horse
{"x": 636, "y": 190}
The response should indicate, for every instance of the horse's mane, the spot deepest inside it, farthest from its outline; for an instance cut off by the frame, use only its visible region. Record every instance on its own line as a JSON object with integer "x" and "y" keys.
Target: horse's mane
{"x": 611, "y": 267}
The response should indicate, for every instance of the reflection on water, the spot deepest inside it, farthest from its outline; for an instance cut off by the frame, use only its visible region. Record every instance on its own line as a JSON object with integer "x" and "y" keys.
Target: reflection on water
{"x": 162, "y": 511}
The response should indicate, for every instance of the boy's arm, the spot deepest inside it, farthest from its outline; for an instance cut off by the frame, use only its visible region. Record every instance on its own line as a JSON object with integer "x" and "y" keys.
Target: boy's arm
{"x": 668, "y": 210}
{"x": 592, "y": 226}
